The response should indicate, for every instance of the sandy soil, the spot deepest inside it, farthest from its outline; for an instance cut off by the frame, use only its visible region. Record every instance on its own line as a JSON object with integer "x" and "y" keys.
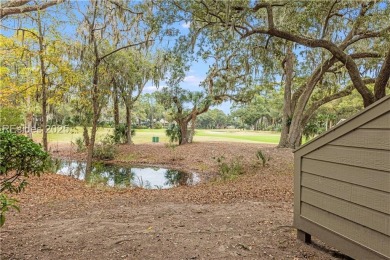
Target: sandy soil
{"x": 249, "y": 217}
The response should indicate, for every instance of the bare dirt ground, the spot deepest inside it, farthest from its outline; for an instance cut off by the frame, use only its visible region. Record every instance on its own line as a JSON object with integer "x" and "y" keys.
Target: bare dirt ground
{"x": 249, "y": 217}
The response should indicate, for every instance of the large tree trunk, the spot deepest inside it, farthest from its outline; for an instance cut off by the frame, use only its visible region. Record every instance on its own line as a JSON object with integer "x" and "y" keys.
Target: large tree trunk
{"x": 287, "y": 109}
{"x": 192, "y": 130}
{"x": 116, "y": 107}
{"x": 44, "y": 116}
{"x": 29, "y": 118}
{"x": 43, "y": 83}
{"x": 295, "y": 134}
{"x": 95, "y": 119}
{"x": 85, "y": 136}
{"x": 184, "y": 132}
{"x": 382, "y": 79}
{"x": 91, "y": 145}
{"x": 296, "y": 126}
{"x": 128, "y": 124}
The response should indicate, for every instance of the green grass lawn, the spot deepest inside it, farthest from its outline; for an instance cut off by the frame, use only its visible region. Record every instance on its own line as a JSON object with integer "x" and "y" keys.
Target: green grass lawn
{"x": 72, "y": 135}
{"x": 201, "y": 135}
{"x": 234, "y": 135}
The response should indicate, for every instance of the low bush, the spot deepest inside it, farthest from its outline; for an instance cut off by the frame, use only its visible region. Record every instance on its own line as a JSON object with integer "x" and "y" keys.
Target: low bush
{"x": 120, "y": 134}
{"x": 229, "y": 170}
{"x": 140, "y": 127}
{"x": 80, "y": 144}
{"x": 105, "y": 150}
{"x": 173, "y": 133}
{"x": 20, "y": 158}
{"x": 263, "y": 157}
{"x": 157, "y": 125}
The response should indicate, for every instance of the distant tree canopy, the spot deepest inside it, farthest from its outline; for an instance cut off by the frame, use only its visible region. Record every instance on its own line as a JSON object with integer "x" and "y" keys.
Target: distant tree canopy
{"x": 281, "y": 63}
{"x": 319, "y": 48}
{"x": 10, "y": 116}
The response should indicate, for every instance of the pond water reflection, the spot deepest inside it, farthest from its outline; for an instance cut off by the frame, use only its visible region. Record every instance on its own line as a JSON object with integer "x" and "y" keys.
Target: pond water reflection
{"x": 128, "y": 176}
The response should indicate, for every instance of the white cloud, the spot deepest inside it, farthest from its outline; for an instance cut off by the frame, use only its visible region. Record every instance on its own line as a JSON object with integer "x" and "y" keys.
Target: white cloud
{"x": 192, "y": 80}
{"x": 186, "y": 25}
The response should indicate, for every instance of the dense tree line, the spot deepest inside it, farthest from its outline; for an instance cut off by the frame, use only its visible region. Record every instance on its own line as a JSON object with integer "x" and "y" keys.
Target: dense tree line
{"x": 284, "y": 64}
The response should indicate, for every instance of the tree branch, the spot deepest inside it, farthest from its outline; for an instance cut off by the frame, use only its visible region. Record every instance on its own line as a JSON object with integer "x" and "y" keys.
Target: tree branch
{"x": 337, "y": 52}
{"x": 14, "y": 3}
{"x": 382, "y": 78}
{"x": 367, "y": 35}
{"x": 347, "y": 91}
{"x": 363, "y": 55}
{"x": 19, "y": 7}
{"x": 121, "y": 48}
{"x": 259, "y": 6}
{"x": 124, "y": 8}
{"x": 355, "y": 56}
{"x": 21, "y": 29}
{"x": 330, "y": 15}
{"x": 296, "y": 95}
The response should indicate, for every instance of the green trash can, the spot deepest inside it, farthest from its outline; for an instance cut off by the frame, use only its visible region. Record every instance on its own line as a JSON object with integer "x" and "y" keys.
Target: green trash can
{"x": 155, "y": 139}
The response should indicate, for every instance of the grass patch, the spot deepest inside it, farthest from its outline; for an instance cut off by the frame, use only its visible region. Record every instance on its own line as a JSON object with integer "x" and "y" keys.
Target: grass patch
{"x": 237, "y": 136}
{"x": 74, "y": 133}
{"x": 145, "y": 136}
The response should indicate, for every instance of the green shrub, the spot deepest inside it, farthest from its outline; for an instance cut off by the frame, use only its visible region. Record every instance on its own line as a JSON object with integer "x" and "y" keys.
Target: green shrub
{"x": 275, "y": 128}
{"x": 157, "y": 125}
{"x": 312, "y": 129}
{"x": 68, "y": 121}
{"x": 140, "y": 127}
{"x": 20, "y": 158}
{"x": 229, "y": 170}
{"x": 105, "y": 150}
{"x": 173, "y": 133}
{"x": 263, "y": 157}
{"x": 80, "y": 144}
{"x": 120, "y": 134}
{"x": 5, "y": 205}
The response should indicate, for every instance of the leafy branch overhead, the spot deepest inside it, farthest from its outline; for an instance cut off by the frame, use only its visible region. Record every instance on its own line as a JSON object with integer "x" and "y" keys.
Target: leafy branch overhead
{"x": 319, "y": 54}
{"x": 273, "y": 19}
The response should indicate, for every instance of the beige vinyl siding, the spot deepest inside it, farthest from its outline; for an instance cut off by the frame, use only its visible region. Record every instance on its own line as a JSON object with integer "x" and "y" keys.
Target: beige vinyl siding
{"x": 360, "y": 234}
{"x": 344, "y": 184}
{"x": 338, "y": 241}
{"x": 364, "y": 216}
{"x": 379, "y": 180}
{"x": 381, "y": 122}
{"x": 366, "y": 138}
{"x": 361, "y": 157}
{"x": 374, "y": 199}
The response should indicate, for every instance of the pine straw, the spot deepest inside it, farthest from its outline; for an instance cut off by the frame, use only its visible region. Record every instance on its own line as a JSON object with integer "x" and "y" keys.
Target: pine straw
{"x": 270, "y": 183}
{"x": 64, "y": 218}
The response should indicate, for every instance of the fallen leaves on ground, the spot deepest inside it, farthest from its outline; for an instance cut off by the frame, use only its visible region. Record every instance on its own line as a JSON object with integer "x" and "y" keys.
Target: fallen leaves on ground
{"x": 250, "y": 216}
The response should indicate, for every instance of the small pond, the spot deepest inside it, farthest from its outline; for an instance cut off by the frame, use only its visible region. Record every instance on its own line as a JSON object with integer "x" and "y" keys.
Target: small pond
{"x": 128, "y": 176}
